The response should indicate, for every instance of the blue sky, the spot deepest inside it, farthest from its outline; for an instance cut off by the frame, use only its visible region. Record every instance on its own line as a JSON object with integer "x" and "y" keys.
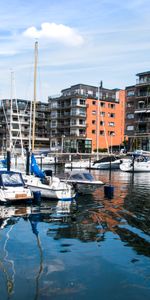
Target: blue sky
{"x": 82, "y": 41}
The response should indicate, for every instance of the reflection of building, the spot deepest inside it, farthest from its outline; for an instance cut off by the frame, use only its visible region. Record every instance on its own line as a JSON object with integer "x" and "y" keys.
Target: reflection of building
{"x": 74, "y": 116}
{"x": 138, "y": 113}
{"x": 17, "y": 121}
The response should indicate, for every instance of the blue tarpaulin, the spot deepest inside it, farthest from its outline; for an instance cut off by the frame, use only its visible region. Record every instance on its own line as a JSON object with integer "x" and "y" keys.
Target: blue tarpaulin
{"x": 35, "y": 168}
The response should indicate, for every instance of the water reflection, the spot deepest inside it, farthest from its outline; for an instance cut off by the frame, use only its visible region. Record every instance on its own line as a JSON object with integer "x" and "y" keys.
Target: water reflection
{"x": 52, "y": 242}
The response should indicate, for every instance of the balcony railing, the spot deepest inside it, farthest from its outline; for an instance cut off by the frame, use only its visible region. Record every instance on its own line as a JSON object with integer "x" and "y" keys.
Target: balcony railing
{"x": 143, "y": 81}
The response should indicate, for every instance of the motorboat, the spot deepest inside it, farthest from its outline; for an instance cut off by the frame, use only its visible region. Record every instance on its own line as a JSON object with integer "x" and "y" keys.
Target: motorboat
{"x": 50, "y": 187}
{"x": 83, "y": 181}
{"x": 13, "y": 188}
{"x": 107, "y": 162}
{"x": 136, "y": 164}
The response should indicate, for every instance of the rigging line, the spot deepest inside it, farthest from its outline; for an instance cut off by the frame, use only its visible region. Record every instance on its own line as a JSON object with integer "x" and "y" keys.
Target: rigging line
{"x": 5, "y": 116}
{"x": 39, "y": 80}
{"x": 16, "y": 101}
{"x": 102, "y": 118}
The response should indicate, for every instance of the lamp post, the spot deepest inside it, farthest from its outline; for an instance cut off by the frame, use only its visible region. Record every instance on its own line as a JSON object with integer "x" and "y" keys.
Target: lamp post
{"x": 112, "y": 134}
{"x": 62, "y": 143}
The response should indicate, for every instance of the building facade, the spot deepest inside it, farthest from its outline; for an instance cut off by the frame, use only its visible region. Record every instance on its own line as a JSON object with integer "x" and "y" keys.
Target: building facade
{"x": 105, "y": 120}
{"x": 16, "y": 124}
{"x": 137, "y": 116}
{"x": 79, "y": 124}
{"x": 68, "y": 121}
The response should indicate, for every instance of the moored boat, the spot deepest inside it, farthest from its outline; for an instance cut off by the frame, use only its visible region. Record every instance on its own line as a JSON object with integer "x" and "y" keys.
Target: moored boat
{"x": 107, "y": 162}
{"x": 51, "y": 188}
{"x": 13, "y": 188}
{"x": 83, "y": 181}
{"x": 135, "y": 165}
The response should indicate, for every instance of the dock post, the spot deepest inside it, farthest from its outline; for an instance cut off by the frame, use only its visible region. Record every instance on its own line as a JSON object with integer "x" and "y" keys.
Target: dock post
{"x": 8, "y": 160}
{"x": 27, "y": 162}
{"x": 109, "y": 189}
{"x": 55, "y": 164}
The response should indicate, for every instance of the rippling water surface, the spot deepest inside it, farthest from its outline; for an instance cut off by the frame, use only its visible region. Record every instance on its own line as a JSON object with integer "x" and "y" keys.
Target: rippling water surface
{"x": 95, "y": 248}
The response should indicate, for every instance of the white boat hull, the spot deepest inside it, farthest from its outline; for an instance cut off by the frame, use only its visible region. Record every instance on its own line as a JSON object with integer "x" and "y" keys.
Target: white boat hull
{"x": 115, "y": 165}
{"x": 129, "y": 166}
{"x": 77, "y": 164}
{"x": 15, "y": 194}
{"x": 54, "y": 190}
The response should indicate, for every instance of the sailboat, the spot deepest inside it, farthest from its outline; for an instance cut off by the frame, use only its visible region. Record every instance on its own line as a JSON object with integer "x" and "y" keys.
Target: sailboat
{"x": 49, "y": 187}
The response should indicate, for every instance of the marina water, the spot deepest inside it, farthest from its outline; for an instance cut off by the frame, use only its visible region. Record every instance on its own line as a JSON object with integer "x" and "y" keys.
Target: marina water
{"x": 94, "y": 248}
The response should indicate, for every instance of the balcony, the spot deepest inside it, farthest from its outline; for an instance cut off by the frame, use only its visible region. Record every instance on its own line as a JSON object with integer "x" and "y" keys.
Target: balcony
{"x": 143, "y": 81}
{"x": 143, "y": 109}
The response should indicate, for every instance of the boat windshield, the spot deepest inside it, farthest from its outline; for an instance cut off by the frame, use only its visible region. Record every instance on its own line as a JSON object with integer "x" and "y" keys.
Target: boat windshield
{"x": 88, "y": 176}
{"x": 82, "y": 176}
{"x": 11, "y": 179}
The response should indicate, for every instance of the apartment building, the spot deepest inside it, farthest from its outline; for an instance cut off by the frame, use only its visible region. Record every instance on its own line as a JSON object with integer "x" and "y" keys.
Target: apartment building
{"x": 68, "y": 120}
{"x": 137, "y": 116}
{"x": 15, "y": 125}
{"x": 105, "y": 120}
{"x": 78, "y": 124}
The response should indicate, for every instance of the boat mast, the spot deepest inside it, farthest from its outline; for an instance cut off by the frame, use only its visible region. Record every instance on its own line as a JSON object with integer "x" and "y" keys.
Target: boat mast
{"x": 97, "y": 125}
{"x": 34, "y": 100}
{"x": 11, "y": 100}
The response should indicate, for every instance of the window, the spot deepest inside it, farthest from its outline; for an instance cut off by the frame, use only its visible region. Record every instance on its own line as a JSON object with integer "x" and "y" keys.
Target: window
{"x": 111, "y": 133}
{"x": 93, "y": 102}
{"x": 53, "y": 132}
{"x": 102, "y": 113}
{"x": 102, "y": 104}
{"x": 111, "y": 124}
{"x": 130, "y": 93}
{"x": 74, "y": 101}
{"x": 102, "y": 123}
{"x": 93, "y": 122}
{"x": 82, "y": 102}
{"x": 130, "y": 104}
{"x": 53, "y": 144}
{"x": 93, "y": 131}
{"x": 82, "y": 111}
{"x": 130, "y": 128}
{"x": 111, "y": 115}
{"x": 53, "y": 123}
{"x": 74, "y": 112}
{"x": 101, "y": 132}
{"x": 73, "y": 122}
{"x": 130, "y": 116}
{"x": 111, "y": 105}
{"x": 93, "y": 112}
{"x": 81, "y": 122}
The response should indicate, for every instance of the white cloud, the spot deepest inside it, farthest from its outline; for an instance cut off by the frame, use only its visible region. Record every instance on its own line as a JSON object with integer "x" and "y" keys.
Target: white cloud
{"x": 55, "y": 32}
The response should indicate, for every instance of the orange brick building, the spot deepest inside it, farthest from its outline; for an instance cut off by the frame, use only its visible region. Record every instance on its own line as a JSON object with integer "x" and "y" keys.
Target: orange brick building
{"x": 107, "y": 119}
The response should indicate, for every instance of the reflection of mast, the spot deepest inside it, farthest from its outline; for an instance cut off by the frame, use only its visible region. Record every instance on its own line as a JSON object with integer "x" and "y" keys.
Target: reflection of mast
{"x": 9, "y": 279}
{"x": 34, "y": 102}
{"x": 35, "y": 231}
